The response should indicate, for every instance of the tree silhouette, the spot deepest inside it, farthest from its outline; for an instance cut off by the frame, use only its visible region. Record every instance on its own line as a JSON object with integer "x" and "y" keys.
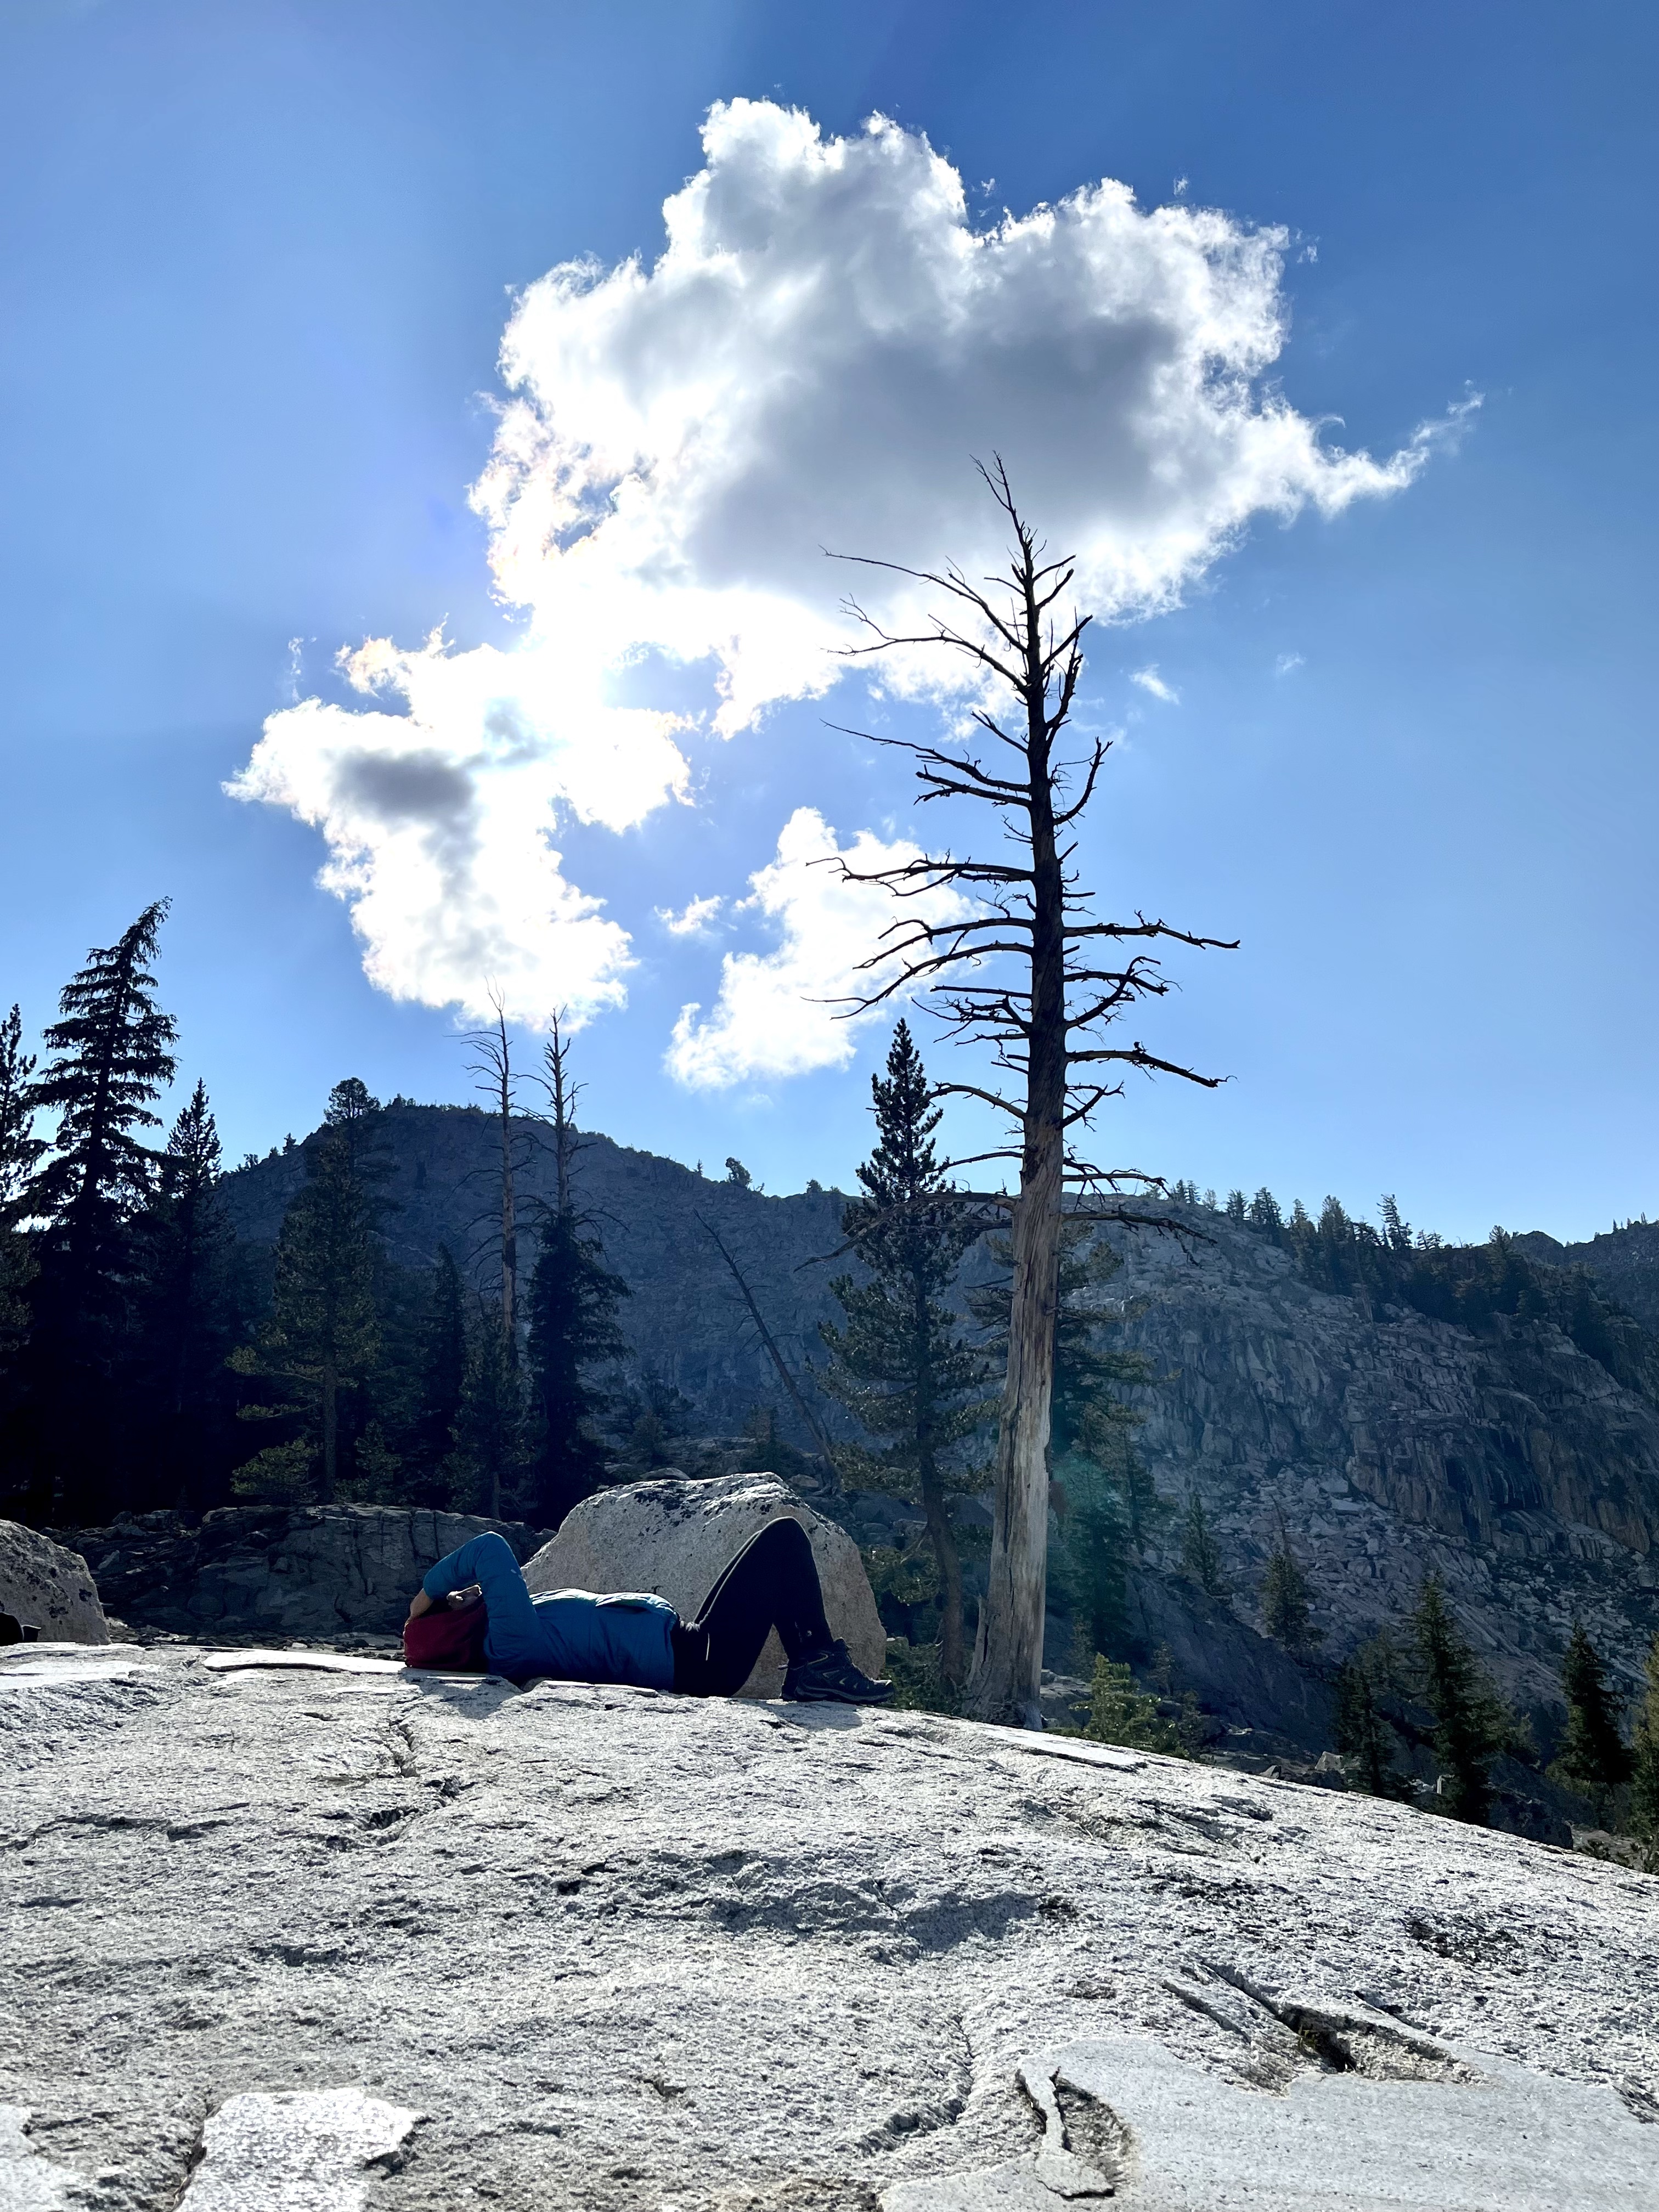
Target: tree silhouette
{"x": 1032, "y": 975}
{"x": 110, "y": 1057}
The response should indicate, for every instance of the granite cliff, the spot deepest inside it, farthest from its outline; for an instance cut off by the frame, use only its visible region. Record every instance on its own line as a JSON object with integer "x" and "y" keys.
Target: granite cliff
{"x": 1521, "y": 1466}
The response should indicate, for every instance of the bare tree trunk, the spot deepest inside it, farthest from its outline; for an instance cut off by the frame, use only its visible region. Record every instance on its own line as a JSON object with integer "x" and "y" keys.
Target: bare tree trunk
{"x": 1007, "y": 1683}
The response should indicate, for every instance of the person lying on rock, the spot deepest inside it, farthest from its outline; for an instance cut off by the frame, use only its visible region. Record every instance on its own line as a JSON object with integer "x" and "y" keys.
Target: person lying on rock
{"x": 632, "y": 1637}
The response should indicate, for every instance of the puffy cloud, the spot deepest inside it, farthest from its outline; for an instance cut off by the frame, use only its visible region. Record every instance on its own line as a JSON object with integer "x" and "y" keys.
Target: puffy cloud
{"x": 693, "y": 918}
{"x": 824, "y": 341}
{"x": 777, "y": 1013}
{"x": 1150, "y": 680}
{"x": 437, "y": 820}
{"x": 1288, "y": 664}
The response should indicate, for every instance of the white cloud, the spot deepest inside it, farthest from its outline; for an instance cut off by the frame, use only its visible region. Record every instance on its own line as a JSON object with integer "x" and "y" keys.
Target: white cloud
{"x": 777, "y": 1013}
{"x": 692, "y": 920}
{"x": 822, "y": 344}
{"x": 1150, "y": 680}
{"x": 1288, "y": 664}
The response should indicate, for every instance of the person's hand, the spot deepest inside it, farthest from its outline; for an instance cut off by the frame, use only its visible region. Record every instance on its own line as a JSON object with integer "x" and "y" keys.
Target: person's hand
{"x": 418, "y": 1604}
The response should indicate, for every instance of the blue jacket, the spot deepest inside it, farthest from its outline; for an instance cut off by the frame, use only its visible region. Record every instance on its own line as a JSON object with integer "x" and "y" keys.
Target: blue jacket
{"x": 571, "y": 1634}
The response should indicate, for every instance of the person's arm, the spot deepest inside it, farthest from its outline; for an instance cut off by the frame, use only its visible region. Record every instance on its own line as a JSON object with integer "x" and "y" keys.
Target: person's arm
{"x": 487, "y": 1560}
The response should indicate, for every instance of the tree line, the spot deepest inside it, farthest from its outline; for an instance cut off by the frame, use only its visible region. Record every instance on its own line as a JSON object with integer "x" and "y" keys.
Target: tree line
{"x": 151, "y": 1359}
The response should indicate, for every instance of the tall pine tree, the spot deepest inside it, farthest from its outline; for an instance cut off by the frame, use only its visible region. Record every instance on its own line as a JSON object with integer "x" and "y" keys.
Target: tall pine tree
{"x": 110, "y": 1056}
{"x": 1471, "y": 1725}
{"x": 899, "y": 1361}
{"x": 1593, "y": 1755}
{"x": 20, "y": 1148}
{"x": 574, "y": 1298}
{"x": 1644, "y": 1764}
{"x": 322, "y": 1339}
{"x": 188, "y": 1318}
{"x": 440, "y": 1389}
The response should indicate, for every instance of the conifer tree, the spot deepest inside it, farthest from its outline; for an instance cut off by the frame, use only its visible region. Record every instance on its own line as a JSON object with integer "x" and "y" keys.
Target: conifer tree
{"x": 1593, "y": 1754}
{"x": 1285, "y": 1598}
{"x": 1644, "y": 1764}
{"x": 1200, "y": 1554}
{"x": 322, "y": 1335}
{"x": 109, "y": 1058}
{"x": 1363, "y": 1735}
{"x": 187, "y": 1315}
{"x": 440, "y": 1386}
{"x": 20, "y": 1148}
{"x": 899, "y": 1361}
{"x": 574, "y": 1298}
{"x": 1471, "y": 1725}
{"x": 492, "y": 1421}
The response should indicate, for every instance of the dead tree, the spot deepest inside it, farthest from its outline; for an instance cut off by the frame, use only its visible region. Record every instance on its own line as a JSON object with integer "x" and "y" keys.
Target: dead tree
{"x": 1034, "y": 977}
{"x": 493, "y": 1066}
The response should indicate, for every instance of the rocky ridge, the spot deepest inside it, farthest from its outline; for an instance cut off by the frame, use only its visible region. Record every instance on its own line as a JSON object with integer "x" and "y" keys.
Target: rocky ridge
{"x": 1387, "y": 1445}
{"x": 432, "y": 1944}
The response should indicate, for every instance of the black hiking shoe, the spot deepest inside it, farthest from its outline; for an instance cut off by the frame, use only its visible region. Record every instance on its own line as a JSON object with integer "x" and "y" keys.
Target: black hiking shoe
{"x": 830, "y": 1678}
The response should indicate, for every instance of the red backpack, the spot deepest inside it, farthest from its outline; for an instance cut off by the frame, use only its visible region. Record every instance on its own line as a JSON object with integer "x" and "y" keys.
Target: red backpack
{"x": 449, "y": 1638}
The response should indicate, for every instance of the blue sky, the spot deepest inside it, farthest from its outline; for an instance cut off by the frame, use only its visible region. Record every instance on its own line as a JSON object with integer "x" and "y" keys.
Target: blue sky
{"x": 257, "y": 263}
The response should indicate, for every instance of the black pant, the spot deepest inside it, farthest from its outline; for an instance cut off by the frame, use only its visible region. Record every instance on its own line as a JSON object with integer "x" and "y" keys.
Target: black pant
{"x": 772, "y": 1583}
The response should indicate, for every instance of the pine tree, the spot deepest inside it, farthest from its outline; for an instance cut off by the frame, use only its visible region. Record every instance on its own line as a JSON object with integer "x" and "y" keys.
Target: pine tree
{"x": 1471, "y": 1725}
{"x": 440, "y": 1386}
{"x": 574, "y": 1298}
{"x": 187, "y": 1316}
{"x": 1285, "y": 1598}
{"x": 1200, "y": 1554}
{"x": 1593, "y": 1754}
{"x": 19, "y": 1150}
{"x": 1120, "y": 1713}
{"x": 1363, "y": 1735}
{"x": 899, "y": 1361}
{"x": 492, "y": 1422}
{"x": 110, "y": 1057}
{"x": 1644, "y": 1764}
{"x": 323, "y": 1336}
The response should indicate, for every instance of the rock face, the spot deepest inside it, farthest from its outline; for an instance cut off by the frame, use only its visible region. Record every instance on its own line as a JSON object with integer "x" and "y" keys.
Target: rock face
{"x": 1510, "y": 1462}
{"x": 618, "y": 1950}
{"x": 683, "y": 1323}
{"x": 49, "y": 1585}
{"x": 319, "y": 1571}
{"x": 675, "y": 1537}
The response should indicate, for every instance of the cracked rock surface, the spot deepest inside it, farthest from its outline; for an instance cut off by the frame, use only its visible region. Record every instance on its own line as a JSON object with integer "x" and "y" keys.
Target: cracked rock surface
{"x": 594, "y": 1947}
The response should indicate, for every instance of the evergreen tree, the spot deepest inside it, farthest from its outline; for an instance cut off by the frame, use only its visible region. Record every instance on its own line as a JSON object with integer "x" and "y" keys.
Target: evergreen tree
{"x": 1593, "y": 1754}
{"x": 1363, "y": 1734}
{"x": 110, "y": 1057}
{"x": 440, "y": 1386}
{"x": 1120, "y": 1713}
{"x": 187, "y": 1316}
{"x": 899, "y": 1361}
{"x": 322, "y": 1335}
{"x": 19, "y": 1150}
{"x": 1285, "y": 1598}
{"x": 574, "y": 1298}
{"x": 1471, "y": 1725}
{"x": 1644, "y": 1764}
{"x": 1200, "y": 1554}
{"x": 492, "y": 1422}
